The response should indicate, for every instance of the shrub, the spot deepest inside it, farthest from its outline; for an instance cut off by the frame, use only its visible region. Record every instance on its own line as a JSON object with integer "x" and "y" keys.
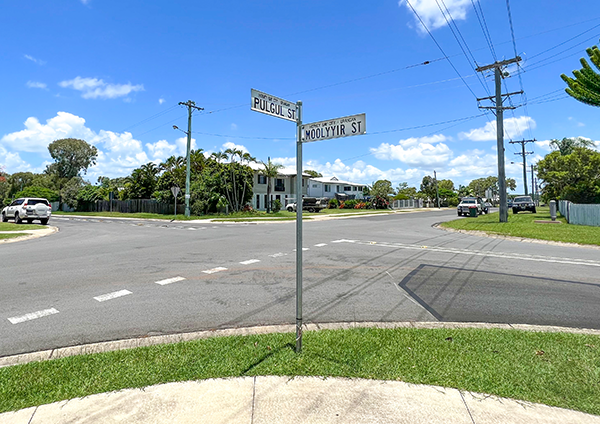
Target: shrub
{"x": 350, "y": 204}
{"x": 276, "y": 205}
{"x": 333, "y": 204}
{"x": 360, "y": 205}
{"x": 380, "y": 203}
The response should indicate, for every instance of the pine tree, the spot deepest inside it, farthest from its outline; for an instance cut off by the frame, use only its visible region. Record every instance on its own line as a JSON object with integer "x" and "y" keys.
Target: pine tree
{"x": 585, "y": 87}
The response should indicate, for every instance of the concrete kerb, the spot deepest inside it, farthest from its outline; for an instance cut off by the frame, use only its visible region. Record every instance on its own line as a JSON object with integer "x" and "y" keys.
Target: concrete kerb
{"x": 30, "y": 234}
{"x": 110, "y": 346}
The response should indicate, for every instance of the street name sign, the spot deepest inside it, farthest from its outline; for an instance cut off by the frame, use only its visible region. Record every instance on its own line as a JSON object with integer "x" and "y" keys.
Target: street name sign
{"x": 274, "y": 106}
{"x": 334, "y": 128}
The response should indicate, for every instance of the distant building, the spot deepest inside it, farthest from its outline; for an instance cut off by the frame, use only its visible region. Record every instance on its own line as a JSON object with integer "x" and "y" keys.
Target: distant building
{"x": 329, "y": 186}
{"x": 283, "y": 188}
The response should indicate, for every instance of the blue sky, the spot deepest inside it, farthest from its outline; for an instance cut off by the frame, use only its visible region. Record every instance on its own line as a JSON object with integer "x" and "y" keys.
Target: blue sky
{"x": 112, "y": 73}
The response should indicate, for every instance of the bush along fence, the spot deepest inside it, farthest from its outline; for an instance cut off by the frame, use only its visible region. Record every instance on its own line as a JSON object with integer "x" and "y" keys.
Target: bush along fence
{"x": 126, "y": 206}
{"x": 580, "y": 214}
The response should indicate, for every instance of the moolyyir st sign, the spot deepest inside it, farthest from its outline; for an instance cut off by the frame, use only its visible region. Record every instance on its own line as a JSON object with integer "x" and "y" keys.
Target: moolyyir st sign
{"x": 274, "y": 106}
{"x": 335, "y": 128}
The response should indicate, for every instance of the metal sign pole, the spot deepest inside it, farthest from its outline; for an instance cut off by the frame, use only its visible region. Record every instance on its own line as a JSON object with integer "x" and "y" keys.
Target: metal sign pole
{"x": 299, "y": 228}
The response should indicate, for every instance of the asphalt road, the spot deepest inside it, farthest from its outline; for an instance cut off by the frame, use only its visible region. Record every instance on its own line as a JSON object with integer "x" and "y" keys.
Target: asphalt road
{"x": 104, "y": 279}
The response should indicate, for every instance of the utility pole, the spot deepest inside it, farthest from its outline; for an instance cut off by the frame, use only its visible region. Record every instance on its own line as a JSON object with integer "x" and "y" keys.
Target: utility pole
{"x": 533, "y": 185}
{"x": 190, "y": 105}
{"x": 500, "y": 127}
{"x": 437, "y": 192}
{"x": 524, "y": 153}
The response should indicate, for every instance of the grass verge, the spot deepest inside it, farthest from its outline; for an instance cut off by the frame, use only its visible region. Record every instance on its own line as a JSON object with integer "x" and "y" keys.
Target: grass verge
{"x": 7, "y": 226}
{"x": 558, "y": 369}
{"x": 523, "y": 225}
{"x": 12, "y": 235}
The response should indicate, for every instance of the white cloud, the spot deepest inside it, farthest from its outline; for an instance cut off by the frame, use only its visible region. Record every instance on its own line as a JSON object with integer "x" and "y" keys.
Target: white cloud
{"x": 430, "y": 13}
{"x": 34, "y": 60}
{"x": 93, "y": 88}
{"x": 234, "y": 127}
{"x": 420, "y": 152}
{"x": 513, "y": 128}
{"x": 36, "y": 84}
{"x": 230, "y": 145}
{"x": 161, "y": 149}
{"x": 161, "y": 101}
{"x": 181, "y": 144}
{"x": 12, "y": 162}
{"x": 36, "y": 136}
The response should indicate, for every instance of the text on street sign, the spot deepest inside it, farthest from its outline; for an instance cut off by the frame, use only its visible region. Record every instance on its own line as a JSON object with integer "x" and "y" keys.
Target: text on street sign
{"x": 334, "y": 128}
{"x": 274, "y": 106}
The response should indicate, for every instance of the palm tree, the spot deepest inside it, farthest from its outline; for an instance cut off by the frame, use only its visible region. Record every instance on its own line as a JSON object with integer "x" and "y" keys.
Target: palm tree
{"x": 271, "y": 171}
{"x": 566, "y": 145}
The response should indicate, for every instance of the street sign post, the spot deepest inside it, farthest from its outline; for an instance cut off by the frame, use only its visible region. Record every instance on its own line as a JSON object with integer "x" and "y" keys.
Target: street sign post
{"x": 335, "y": 128}
{"x": 324, "y": 130}
{"x": 274, "y": 106}
{"x": 175, "y": 191}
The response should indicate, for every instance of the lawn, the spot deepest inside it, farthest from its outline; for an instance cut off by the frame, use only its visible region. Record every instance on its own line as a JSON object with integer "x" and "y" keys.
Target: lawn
{"x": 7, "y": 226}
{"x": 523, "y": 225}
{"x": 558, "y": 369}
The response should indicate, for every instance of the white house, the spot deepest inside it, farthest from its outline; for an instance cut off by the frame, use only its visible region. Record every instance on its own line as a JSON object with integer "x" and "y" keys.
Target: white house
{"x": 329, "y": 186}
{"x": 283, "y": 188}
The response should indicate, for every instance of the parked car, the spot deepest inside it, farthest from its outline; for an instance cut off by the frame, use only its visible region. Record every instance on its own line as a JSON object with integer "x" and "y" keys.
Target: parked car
{"x": 310, "y": 204}
{"x": 28, "y": 209}
{"x": 471, "y": 202}
{"x": 523, "y": 203}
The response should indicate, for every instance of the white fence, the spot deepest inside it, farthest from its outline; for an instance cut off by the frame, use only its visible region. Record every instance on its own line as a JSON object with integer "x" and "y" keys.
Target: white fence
{"x": 407, "y": 204}
{"x": 580, "y": 214}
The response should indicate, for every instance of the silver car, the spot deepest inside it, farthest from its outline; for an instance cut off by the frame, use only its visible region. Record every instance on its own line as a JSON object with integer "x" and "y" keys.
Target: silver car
{"x": 28, "y": 209}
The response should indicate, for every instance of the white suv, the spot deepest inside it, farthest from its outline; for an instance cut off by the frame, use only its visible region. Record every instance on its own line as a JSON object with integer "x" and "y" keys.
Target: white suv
{"x": 28, "y": 209}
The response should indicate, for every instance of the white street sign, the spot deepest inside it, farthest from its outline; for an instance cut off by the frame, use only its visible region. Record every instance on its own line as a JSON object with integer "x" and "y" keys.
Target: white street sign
{"x": 335, "y": 128}
{"x": 175, "y": 191}
{"x": 274, "y": 106}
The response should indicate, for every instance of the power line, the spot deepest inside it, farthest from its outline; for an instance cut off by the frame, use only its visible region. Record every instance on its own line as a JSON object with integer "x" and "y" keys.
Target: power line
{"x": 484, "y": 28}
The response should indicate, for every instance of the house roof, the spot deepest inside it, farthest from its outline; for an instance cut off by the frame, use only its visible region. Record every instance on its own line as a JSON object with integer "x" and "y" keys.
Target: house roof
{"x": 335, "y": 180}
{"x": 285, "y": 172}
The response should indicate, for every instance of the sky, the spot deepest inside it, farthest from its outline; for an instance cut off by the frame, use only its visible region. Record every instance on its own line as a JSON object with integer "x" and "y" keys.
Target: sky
{"x": 113, "y": 74}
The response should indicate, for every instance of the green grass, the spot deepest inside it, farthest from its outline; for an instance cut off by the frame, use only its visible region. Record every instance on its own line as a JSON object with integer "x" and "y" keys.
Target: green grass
{"x": 7, "y": 226}
{"x": 12, "y": 235}
{"x": 523, "y": 225}
{"x": 558, "y": 369}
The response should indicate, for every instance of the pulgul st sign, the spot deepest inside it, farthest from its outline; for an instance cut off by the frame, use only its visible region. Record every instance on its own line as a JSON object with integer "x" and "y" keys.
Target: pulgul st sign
{"x": 274, "y": 106}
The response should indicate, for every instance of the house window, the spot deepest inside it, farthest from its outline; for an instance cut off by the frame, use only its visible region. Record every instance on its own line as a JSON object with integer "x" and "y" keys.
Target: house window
{"x": 347, "y": 188}
{"x": 266, "y": 201}
{"x": 337, "y": 188}
{"x": 278, "y": 197}
{"x": 315, "y": 186}
{"x": 279, "y": 184}
{"x": 327, "y": 188}
{"x": 302, "y": 182}
{"x": 354, "y": 188}
{"x": 258, "y": 201}
{"x": 262, "y": 179}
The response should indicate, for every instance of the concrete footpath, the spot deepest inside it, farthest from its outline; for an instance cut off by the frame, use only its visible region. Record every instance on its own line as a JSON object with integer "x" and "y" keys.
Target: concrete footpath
{"x": 285, "y": 400}
{"x": 282, "y": 400}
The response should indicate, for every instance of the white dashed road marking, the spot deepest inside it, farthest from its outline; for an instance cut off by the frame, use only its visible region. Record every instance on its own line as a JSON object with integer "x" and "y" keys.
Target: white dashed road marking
{"x": 250, "y": 261}
{"x": 112, "y": 295}
{"x": 170, "y": 280}
{"x": 320, "y": 244}
{"x": 344, "y": 241}
{"x": 277, "y": 255}
{"x": 304, "y": 248}
{"x": 33, "y": 315}
{"x": 217, "y": 269}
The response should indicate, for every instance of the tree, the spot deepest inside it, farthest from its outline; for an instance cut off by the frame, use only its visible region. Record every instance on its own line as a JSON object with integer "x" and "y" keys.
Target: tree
{"x": 585, "y": 87}
{"x": 574, "y": 177}
{"x": 566, "y": 145}
{"x": 383, "y": 189}
{"x": 428, "y": 187}
{"x": 142, "y": 182}
{"x": 479, "y": 186}
{"x": 271, "y": 171}
{"x": 404, "y": 192}
{"x": 71, "y": 157}
{"x": 312, "y": 173}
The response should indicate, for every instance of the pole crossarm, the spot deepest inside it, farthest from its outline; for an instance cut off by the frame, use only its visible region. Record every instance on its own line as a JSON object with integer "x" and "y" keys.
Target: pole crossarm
{"x": 497, "y": 108}
{"x": 498, "y": 64}
{"x": 506, "y": 94}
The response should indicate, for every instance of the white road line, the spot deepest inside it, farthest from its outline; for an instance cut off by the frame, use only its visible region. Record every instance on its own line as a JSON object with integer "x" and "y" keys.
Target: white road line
{"x": 320, "y": 244}
{"x": 250, "y": 261}
{"x": 192, "y": 229}
{"x": 344, "y": 241}
{"x": 489, "y": 254}
{"x": 277, "y": 255}
{"x": 33, "y": 315}
{"x": 169, "y": 280}
{"x": 304, "y": 248}
{"x": 217, "y": 269}
{"x": 112, "y": 295}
